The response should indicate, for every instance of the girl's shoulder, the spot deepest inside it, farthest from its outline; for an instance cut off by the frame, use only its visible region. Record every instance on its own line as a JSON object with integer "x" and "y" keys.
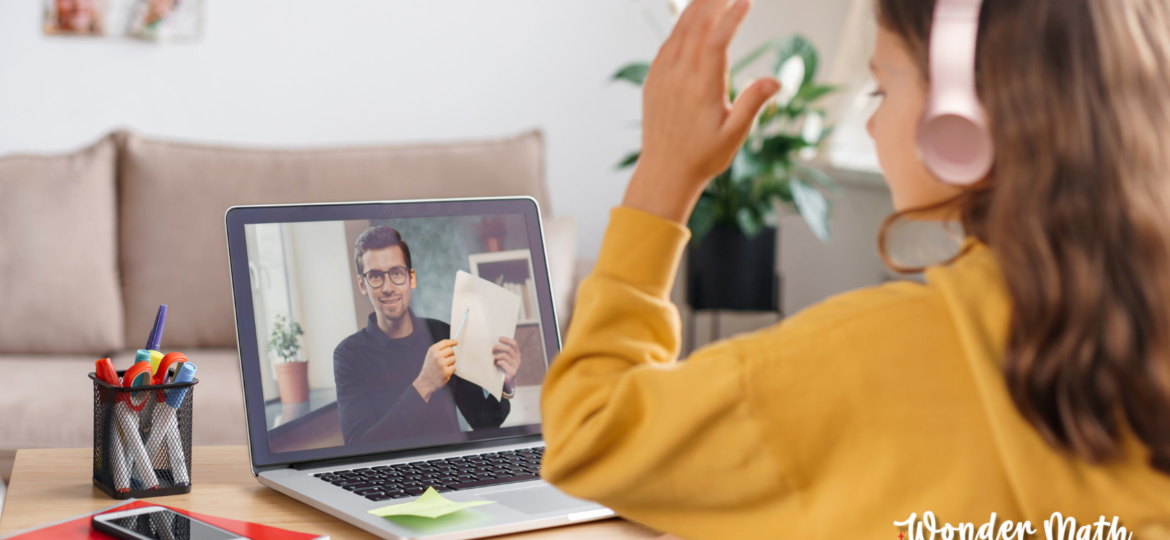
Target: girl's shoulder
{"x": 962, "y": 298}
{"x": 896, "y": 306}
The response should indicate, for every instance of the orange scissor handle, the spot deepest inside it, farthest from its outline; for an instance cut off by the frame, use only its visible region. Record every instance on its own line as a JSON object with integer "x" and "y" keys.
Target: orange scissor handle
{"x": 164, "y": 365}
{"x": 135, "y": 376}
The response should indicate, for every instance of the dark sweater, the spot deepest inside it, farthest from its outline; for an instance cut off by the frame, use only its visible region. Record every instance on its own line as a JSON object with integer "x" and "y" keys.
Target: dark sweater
{"x": 375, "y": 397}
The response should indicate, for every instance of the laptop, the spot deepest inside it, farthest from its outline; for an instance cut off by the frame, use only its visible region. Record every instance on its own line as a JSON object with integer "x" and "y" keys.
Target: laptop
{"x": 356, "y": 400}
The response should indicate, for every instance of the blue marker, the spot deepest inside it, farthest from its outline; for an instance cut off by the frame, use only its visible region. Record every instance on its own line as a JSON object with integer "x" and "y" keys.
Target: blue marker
{"x": 185, "y": 374}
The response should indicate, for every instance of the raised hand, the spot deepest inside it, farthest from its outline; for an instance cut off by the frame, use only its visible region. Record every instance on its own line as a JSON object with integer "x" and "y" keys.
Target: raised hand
{"x": 690, "y": 129}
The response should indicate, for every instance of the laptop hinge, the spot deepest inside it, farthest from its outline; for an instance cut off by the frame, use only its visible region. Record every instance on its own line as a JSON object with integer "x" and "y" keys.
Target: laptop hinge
{"x": 416, "y": 452}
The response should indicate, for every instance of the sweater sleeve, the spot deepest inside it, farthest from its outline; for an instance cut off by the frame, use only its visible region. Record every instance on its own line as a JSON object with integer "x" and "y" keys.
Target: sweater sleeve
{"x": 625, "y": 423}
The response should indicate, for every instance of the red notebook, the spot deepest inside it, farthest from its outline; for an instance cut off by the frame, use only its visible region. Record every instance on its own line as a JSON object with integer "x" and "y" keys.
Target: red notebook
{"x": 79, "y": 527}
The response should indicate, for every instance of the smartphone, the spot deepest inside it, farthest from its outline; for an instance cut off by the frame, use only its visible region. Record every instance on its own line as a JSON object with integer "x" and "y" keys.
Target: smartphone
{"x": 154, "y": 523}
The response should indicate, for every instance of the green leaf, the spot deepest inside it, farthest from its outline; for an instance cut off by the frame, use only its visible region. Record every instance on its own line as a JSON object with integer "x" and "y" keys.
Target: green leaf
{"x": 779, "y": 148}
{"x": 820, "y": 178}
{"x": 702, "y": 219}
{"x": 793, "y": 46}
{"x": 810, "y": 93}
{"x": 634, "y": 73}
{"x": 812, "y": 206}
{"x": 629, "y": 160}
{"x": 284, "y": 338}
{"x": 776, "y": 189}
{"x": 749, "y": 222}
{"x": 825, "y": 133}
{"x": 756, "y": 53}
{"x": 744, "y": 167}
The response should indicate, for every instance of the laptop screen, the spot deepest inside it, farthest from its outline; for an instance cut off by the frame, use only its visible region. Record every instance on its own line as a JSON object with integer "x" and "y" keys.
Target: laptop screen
{"x": 370, "y": 328}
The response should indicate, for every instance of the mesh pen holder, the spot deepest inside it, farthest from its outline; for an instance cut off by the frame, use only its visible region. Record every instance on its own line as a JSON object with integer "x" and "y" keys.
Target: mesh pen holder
{"x": 142, "y": 439}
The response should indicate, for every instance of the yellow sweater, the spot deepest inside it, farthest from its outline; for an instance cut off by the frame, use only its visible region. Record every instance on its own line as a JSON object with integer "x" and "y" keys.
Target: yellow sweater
{"x": 835, "y": 423}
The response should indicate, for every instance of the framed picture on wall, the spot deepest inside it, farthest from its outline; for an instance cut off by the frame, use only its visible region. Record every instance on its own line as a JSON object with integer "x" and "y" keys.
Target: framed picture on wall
{"x": 150, "y": 20}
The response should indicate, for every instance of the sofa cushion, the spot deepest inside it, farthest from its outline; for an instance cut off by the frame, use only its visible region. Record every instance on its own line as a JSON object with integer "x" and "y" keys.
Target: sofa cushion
{"x": 173, "y": 199}
{"x": 59, "y": 290}
{"x": 66, "y": 420}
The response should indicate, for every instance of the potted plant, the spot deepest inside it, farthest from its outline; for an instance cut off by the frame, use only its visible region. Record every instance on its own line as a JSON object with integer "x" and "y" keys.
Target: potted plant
{"x": 292, "y": 374}
{"x": 731, "y": 260}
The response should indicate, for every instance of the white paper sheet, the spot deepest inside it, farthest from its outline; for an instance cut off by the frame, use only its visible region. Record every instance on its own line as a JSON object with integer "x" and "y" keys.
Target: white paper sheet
{"x": 492, "y": 314}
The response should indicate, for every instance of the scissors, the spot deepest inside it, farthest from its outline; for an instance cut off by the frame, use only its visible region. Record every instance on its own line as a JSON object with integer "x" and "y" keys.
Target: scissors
{"x": 168, "y": 367}
{"x": 128, "y": 409}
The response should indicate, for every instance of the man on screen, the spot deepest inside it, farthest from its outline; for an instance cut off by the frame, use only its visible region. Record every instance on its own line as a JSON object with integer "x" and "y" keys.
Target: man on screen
{"x": 396, "y": 377}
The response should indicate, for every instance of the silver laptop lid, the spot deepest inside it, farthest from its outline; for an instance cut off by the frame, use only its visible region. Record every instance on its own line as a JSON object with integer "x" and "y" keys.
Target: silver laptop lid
{"x": 344, "y": 312}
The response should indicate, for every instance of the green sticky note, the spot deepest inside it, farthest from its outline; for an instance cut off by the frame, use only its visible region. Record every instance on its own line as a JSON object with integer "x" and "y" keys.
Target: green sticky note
{"x": 430, "y": 505}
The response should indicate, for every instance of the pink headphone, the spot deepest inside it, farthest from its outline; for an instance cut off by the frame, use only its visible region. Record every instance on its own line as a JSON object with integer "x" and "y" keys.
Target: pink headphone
{"x": 953, "y": 138}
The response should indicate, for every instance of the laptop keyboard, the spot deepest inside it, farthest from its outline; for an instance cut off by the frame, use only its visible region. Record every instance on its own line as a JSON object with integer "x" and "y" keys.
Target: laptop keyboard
{"x": 465, "y": 472}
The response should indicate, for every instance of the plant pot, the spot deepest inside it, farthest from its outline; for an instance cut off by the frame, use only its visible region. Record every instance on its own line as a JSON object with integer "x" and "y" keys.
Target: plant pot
{"x": 729, "y": 271}
{"x": 293, "y": 380}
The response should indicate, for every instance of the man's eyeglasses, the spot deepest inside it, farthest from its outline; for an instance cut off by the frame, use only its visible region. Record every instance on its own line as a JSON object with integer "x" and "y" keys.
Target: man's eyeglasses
{"x": 377, "y": 278}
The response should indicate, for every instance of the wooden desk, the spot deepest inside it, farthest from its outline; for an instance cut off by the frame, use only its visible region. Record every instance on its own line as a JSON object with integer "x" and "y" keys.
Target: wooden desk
{"x": 51, "y": 485}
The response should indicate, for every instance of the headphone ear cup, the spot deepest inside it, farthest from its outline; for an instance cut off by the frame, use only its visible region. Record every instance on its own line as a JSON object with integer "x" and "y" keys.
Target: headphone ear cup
{"x": 957, "y": 148}
{"x": 953, "y": 139}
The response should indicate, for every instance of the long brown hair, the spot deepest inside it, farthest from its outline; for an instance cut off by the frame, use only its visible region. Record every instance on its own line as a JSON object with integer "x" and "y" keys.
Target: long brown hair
{"x": 1076, "y": 209}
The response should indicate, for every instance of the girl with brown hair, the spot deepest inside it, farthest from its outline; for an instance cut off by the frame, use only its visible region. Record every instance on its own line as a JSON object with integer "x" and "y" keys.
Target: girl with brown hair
{"x": 1030, "y": 375}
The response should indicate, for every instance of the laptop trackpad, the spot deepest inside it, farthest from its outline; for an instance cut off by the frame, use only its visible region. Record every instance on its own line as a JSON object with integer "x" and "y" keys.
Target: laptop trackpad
{"x": 536, "y": 500}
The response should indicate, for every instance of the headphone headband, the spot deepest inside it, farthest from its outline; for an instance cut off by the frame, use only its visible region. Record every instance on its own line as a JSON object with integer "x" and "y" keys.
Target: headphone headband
{"x": 953, "y": 138}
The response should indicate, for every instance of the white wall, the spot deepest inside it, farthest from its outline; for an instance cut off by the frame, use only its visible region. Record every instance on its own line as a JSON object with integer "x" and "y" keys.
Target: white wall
{"x": 304, "y": 73}
{"x": 324, "y": 293}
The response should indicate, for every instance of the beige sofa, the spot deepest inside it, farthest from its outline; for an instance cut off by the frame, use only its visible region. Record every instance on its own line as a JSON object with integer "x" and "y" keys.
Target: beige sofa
{"x": 92, "y": 242}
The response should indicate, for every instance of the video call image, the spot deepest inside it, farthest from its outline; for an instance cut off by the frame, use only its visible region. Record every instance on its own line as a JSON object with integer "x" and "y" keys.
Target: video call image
{"x": 395, "y": 329}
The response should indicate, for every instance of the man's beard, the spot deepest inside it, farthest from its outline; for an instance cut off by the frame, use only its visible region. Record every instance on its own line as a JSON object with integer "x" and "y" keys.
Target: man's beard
{"x": 396, "y": 312}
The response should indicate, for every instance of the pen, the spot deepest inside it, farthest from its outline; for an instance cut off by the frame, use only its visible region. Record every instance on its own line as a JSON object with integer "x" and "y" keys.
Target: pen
{"x": 461, "y": 323}
{"x": 128, "y": 409}
{"x": 104, "y": 369}
{"x": 155, "y": 358}
{"x": 155, "y": 340}
{"x": 160, "y": 320}
{"x": 141, "y": 356}
{"x": 168, "y": 366}
{"x": 166, "y": 424}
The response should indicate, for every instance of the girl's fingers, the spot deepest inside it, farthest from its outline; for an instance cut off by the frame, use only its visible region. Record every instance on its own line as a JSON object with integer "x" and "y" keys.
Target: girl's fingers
{"x": 708, "y": 13}
{"x": 685, "y": 25}
{"x": 745, "y": 109}
{"x": 724, "y": 31}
